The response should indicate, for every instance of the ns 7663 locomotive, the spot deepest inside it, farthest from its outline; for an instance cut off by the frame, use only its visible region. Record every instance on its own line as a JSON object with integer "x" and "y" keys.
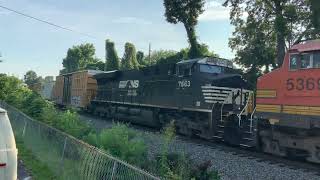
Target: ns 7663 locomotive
{"x": 205, "y": 97}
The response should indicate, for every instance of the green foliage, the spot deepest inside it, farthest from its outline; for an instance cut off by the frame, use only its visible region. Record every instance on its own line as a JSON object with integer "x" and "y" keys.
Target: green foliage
{"x": 159, "y": 56}
{"x": 78, "y": 57}
{"x": 129, "y": 60}
{"x": 204, "y": 51}
{"x": 281, "y": 22}
{"x": 170, "y": 56}
{"x": 254, "y": 48}
{"x": 33, "y": 105}
{"x": 186, "y": 12}
{"x": 38, "y": 169}
{"x": 67, "y": 121}
{"x": 96, "y": 65}
{"x": 92, "y": 138}
{"x": 122, "y": 142}
{"x": 31, "y": 77}
{"x": 8, "y": 85}
{"x": 168, "y": 137}
{"x": 112, "y": 59}
{"x": 14, "y": 93}
{"x": 315, "y": 8}
{"x": 177, "y": 166}
{"x": 140, "y": 58}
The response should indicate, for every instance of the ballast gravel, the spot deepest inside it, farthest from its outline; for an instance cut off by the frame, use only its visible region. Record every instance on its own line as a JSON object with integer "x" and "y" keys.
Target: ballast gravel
{"x": 231, "y": 166}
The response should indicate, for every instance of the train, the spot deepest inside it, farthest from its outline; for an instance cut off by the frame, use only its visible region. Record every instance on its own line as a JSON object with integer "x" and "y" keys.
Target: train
{"x": 208, "y": 98}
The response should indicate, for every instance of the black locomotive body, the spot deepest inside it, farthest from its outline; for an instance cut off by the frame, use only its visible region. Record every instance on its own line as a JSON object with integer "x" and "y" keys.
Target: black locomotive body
{"x": 205, "y": 97}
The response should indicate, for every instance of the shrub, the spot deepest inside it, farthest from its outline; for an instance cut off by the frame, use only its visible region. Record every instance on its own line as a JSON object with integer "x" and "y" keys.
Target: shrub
{"x": 92, "y": 138}
{"x": 178, "y": 166}
{"x": 122, "y": 142}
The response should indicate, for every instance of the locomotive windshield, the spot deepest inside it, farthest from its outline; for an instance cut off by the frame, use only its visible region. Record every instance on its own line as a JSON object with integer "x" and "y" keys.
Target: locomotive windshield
{"x": 305, "y": 60}
{"x": 207, "y": 68}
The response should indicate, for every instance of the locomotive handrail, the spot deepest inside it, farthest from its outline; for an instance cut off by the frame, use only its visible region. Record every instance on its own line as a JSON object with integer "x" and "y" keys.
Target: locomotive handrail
{"x": 244, "y": 108}
{"x": 251, "y": 118}
{"x": 239, "y": 115}
{"x": 221, "y": 111}
{"x": 221, "y": 118}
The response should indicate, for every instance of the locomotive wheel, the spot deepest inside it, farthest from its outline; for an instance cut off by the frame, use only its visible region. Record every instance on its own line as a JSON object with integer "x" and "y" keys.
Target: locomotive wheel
{"x": 271, "y": 146}
{"x": 314, "y": 155}
{"x": 185, "y": 130}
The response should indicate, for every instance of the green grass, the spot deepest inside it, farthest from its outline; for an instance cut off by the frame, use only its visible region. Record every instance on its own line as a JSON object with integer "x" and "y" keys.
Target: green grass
{"x": 39, "y": 170}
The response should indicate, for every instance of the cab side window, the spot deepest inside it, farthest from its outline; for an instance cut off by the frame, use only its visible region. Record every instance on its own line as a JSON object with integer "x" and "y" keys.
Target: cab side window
{"x": 184, "y": 71}
{"x": 306, "y": 61}
{"x": 294, "y": 61}
{"x": 316, "y": 60}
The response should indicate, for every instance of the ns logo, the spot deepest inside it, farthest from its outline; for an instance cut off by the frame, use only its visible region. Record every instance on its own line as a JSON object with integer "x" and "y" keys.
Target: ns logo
{"x": 129, "y": 83}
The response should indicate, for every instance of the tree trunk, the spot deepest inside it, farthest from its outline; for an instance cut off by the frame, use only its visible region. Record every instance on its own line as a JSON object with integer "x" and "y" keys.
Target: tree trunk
{"x": 280, "y": 29}
{"x": 280, "y": 48}
{"x": 315, "y": 8}
{"x": 194, "y": 49}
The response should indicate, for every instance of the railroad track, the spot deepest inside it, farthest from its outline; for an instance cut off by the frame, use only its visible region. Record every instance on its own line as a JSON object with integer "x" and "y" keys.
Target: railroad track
{"x": 259, "y": 156}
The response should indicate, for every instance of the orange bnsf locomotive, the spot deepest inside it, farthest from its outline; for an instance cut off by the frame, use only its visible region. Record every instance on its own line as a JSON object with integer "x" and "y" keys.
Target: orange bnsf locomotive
{"x": 288, "y": 105}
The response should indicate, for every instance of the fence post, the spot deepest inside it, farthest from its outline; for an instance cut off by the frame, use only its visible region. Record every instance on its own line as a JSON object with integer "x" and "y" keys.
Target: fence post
{"x": 62, "y": 158}
{"x": 115, "y": 165}
{"x": 24, "y": 128}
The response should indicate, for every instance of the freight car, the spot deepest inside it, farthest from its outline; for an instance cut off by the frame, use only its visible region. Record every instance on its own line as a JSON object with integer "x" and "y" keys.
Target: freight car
{"x": 205, "y": 97}
{"x": 288, "y": 105}
{"x": 75, "y": 89}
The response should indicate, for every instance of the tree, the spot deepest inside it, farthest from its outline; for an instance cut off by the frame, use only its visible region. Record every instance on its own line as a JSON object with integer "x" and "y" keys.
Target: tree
{"x": 286, "y": 20}
{"x": 96, "y": 65}
{"x": 254, "y": 48}
{"x": 31, "y": 77}
{"x": 112, "y": 59}
{"x": 140, "y": 58}
{"x": 8, "y": 85}
{"x": 78, "y": 57}
{"x": 186, "y": 12}
{"x": 129, "y": 60}
{"x": 170, "y": 56}
{"x": 315, "y": 7}
{"x": 159, "y": 55}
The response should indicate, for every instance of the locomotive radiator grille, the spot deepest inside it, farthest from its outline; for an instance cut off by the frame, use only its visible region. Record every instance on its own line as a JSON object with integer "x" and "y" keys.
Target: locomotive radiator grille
{"x": 214, "y": 94}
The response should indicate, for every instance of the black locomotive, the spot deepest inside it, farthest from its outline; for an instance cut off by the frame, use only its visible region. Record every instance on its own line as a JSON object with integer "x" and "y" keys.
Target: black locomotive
{"x": 205, "y": 97}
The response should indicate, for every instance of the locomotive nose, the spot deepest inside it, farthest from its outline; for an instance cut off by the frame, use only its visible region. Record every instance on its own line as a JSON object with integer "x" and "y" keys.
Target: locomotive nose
{"x": 231, "y": 80}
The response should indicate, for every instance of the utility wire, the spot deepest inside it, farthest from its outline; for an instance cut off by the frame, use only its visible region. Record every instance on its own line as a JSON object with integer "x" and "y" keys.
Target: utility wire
{"x": 47, "y": 22}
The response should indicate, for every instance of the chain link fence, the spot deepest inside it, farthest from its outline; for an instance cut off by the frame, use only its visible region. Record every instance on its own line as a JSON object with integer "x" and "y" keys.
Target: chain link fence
{"x": 68, "y": 157}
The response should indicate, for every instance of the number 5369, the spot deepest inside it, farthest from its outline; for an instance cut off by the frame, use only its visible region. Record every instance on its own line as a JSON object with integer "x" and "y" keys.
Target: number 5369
{"x": 303, "y": 84}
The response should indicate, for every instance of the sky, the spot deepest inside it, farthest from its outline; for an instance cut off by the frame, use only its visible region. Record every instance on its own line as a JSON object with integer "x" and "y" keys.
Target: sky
{"x": 26, "y": 44}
